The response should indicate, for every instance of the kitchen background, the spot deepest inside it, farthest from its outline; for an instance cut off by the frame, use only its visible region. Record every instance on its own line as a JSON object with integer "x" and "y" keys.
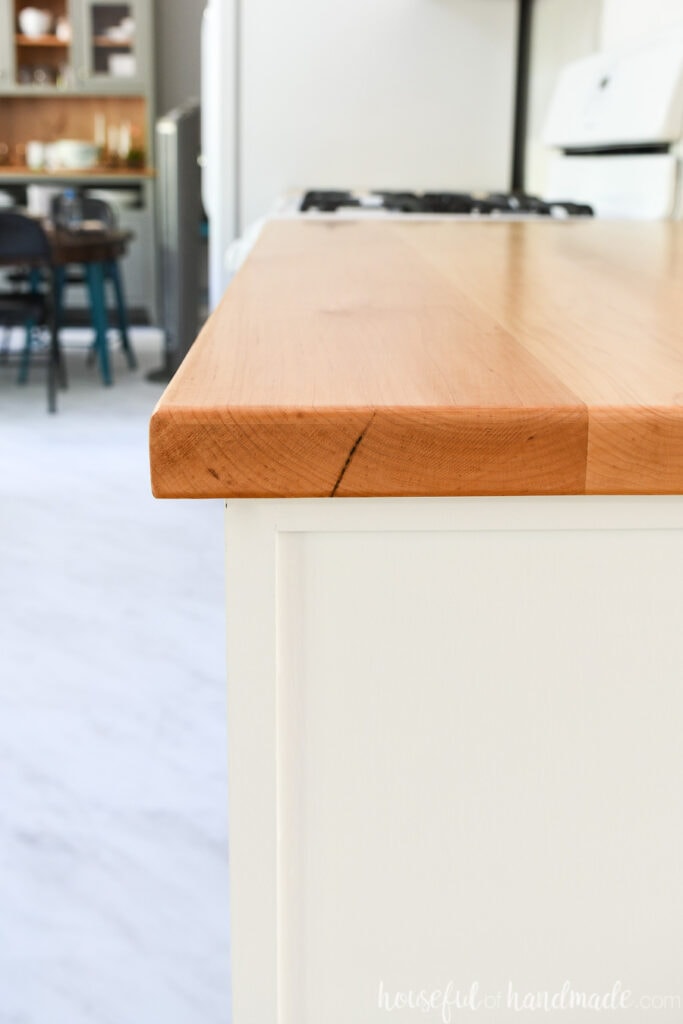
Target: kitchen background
{"x": 564, "y": 32}
{"x": 113, "y": 855}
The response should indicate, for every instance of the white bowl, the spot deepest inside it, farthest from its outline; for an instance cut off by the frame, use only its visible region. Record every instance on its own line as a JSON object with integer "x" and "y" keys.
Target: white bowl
{"x": 75, "y": 154}
{"x": 34, "y": 22}
{"x": 122, "y": 65}
{"x": 118, "y": 34}
{"x": 122, "y": 198}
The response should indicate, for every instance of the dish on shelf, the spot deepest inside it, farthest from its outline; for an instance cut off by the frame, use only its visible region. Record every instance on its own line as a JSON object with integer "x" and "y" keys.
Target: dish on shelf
{"x": 74, "y": 154}
{"x": 34, "y": 22}
{"x": 63, "y": 30}
{"x": 122, "y": 65}
{"x": 119, "y": 34}
{"x": 123, "y": 198}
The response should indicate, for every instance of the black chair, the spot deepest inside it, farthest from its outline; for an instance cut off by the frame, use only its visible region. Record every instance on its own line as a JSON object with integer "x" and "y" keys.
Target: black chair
{"x": 23, "y": 243}
{"x": 96, "y": 210}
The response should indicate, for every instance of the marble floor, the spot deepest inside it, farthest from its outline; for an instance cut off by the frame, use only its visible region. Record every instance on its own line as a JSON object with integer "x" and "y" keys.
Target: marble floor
{"x": 113, "y": 809}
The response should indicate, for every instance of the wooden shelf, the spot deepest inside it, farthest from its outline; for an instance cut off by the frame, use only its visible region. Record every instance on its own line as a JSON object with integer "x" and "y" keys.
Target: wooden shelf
{"x": 104, "y": 42}
{"x": 49, "y": 41}
{"x": 24, "y": 173}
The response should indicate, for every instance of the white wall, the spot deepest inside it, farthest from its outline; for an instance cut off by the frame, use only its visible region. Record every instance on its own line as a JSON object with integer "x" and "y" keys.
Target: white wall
{"x": 628, "y": 21}
{"x": 387, "y": 94}
{"x": 563, "y": 30}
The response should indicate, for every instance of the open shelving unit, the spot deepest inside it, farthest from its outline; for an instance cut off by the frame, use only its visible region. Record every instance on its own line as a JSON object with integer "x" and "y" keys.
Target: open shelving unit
{"x": 65, "y": 86}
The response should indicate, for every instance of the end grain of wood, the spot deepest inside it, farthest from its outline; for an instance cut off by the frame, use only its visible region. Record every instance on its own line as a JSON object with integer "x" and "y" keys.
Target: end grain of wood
{"x": 416, "y": 358}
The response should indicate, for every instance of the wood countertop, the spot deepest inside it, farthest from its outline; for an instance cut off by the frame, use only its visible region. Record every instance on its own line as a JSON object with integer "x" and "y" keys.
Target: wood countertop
{"x": 384, "y": 358}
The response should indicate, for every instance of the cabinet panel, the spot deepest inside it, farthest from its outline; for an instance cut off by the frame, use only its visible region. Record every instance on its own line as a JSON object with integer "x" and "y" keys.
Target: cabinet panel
{"x": 40, "y": 41}
{"x": 112, "y": 45}
{"x": 455, "y": 754}
{"x": 83, "y": 45}
{"x": 6, "y": 50}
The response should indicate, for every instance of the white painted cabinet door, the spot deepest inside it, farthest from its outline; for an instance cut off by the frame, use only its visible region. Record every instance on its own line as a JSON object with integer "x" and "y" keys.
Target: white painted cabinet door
{"x": 456, "y": 759}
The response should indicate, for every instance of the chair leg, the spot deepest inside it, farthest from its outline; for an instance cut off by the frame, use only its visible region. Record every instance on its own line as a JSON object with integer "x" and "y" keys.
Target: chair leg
{"x": 58, "y": 285}
{"x": 111, "y": 270}
{"x": 95, "y": 278}
{"x": 35, "y": 278}
{"x": 22, "y": 376}
{"x": 55, "y": 362}
{"x": 51, "y": 379}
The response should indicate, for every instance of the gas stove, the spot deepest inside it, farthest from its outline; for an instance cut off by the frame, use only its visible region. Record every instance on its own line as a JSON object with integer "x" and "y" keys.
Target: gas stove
{"x": 517, "y": 205}
{"x": 356, "y": 204}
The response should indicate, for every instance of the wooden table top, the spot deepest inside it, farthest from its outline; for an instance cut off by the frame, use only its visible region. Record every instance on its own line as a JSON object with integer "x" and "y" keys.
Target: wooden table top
{"x": 78, "y": 247}
{"x": 435, "y": 358}
{"x": 87, "y": 246}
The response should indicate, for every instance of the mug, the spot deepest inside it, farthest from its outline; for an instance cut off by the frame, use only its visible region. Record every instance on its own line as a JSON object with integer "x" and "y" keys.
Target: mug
{"x": 63, "y": 30}
{"x": 35, "y": 155}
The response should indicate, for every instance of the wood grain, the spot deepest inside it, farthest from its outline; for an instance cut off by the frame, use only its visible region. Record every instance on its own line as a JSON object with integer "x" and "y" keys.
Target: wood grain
{"x": 40, "y": 41}
{"x": 48, "y": 118}
{"x": 435, "y": 357}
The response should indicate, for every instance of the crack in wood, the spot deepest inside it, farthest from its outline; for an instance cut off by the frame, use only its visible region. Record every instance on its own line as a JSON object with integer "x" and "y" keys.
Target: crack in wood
{"x": 354, "y": 447}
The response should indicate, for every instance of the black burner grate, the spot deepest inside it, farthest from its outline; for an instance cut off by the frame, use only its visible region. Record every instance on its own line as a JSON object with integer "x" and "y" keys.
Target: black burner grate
{"x": 489, "y": 204}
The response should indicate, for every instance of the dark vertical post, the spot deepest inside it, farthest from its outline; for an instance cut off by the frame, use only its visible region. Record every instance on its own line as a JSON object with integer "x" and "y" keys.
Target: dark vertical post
{"x": 521, "y": 94}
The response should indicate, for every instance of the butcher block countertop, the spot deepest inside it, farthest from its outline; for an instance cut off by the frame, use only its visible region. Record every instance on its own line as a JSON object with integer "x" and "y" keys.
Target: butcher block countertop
{"x": 381, "y": 358}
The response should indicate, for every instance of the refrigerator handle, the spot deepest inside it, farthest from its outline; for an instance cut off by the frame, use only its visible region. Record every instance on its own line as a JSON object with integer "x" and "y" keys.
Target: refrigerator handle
{"x": 209, "y": 86}
{"x": 220, "y": 57}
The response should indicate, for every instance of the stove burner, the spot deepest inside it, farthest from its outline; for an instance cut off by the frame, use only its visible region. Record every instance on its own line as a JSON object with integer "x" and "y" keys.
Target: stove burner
{"x": 400, "y": 202}
{"x": 327, "y": 201}
{"x": 489, "y": 204}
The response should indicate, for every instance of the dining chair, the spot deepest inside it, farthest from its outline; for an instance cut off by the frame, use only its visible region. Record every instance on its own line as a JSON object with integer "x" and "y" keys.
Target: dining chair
{"x": 24, "y": 244}
{"x": 95, "y": 275}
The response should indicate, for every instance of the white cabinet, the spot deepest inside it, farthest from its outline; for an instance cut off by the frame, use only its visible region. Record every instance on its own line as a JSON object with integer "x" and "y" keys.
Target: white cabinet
{"x": 455, "y": 753}
{"x": 91, "y": 45}
{"x": 113, "y": 45}
{"x": 6, "y": 51}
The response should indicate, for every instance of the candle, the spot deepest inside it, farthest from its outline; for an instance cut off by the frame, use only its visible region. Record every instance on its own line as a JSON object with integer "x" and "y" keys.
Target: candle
{"x": 124, "y": 140}
{"x": 113, "y": 140}
{"x": 100, "y": 131}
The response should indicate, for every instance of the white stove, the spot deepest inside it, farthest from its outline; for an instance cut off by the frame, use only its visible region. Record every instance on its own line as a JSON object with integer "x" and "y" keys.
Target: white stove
{"x": 368, "y": 204}
{"x": 616, "y": 124}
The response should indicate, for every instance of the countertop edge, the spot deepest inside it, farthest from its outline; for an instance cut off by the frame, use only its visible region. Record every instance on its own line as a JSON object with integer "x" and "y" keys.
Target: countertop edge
{"x": 367, "y": 452}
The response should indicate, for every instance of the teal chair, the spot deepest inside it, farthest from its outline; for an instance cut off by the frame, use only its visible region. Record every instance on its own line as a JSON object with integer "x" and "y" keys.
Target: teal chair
{"x": 96, "y": 277}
